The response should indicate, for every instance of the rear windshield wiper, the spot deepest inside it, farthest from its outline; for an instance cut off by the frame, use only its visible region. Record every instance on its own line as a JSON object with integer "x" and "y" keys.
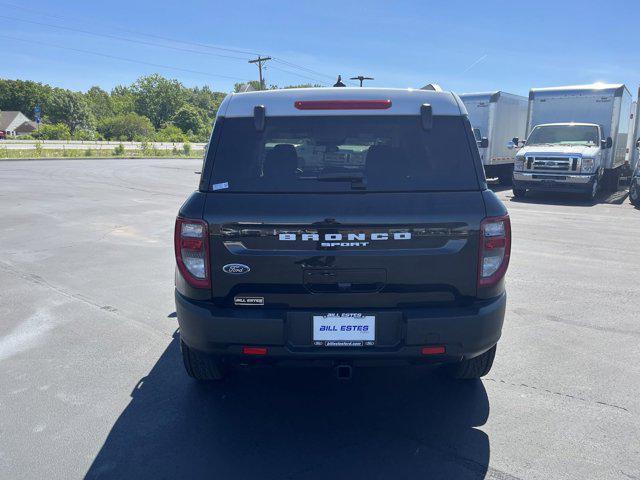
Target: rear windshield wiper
{"x": 357, "y": 179}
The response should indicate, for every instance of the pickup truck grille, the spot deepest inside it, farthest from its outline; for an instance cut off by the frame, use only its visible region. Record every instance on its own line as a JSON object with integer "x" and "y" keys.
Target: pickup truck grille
{"x": 552, "y": 164}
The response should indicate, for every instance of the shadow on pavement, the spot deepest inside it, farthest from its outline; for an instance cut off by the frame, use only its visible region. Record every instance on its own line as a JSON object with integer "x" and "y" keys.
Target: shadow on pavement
{"x": 571, "y": 199}
{"x": 297, "y": 423}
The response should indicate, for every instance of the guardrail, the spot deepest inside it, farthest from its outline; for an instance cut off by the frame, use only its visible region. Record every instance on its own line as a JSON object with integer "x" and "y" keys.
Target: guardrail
{"x": 94, "y": 145}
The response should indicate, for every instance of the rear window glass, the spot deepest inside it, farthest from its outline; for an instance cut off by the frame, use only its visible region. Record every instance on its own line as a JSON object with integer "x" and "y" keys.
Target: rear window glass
{"x": 342, "y": 153}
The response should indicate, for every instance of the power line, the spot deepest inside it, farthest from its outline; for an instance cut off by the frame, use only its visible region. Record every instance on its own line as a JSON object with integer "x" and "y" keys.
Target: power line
{"x": 291, "y": 64}
{"x": 115, "y": 57}
{"x": 160, "y": 37}
{"x": 144, "y": 34}
{"x": 321, "y": 82}
{"x": 117, "y": 37}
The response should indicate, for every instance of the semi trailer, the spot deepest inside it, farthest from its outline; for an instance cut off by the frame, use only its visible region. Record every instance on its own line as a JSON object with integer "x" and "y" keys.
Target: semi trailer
{"x": 496, "y": 118}
{"x": 577, "y": 139}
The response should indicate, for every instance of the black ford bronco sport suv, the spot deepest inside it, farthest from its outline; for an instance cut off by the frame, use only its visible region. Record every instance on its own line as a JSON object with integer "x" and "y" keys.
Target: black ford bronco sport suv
{"x": 341, "y": 227}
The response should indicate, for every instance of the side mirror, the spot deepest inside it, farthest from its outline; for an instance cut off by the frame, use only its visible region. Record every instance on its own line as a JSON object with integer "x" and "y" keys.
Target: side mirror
{"x": 426, "y": 116}
{"x": 515, "y": 140}
{"x": 609, "y": 142}
{"x": 638, "y": 143}
{"x": 483, "y": 143}
{"x": 259, "y": 117}
{"x": 606, "y": 143}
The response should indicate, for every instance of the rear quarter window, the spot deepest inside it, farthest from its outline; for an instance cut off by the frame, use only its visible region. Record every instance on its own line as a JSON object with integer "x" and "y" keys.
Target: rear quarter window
{"x": 341, "y": 153}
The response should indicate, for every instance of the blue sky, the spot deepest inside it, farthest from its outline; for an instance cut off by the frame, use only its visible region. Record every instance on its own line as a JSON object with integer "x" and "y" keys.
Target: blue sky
{"x": 464, "y": 46}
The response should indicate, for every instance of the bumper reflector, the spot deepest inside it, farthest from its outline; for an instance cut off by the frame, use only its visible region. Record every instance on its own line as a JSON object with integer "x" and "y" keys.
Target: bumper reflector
{"x": 254, "y": 350}
{"x": 433, "y": 350}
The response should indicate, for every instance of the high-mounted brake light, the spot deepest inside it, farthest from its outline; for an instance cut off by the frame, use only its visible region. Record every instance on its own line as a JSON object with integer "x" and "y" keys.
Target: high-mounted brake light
{"x": 494, "y": 249}
{"x": 191, "y": 242}
{"x": 343, "y": 104}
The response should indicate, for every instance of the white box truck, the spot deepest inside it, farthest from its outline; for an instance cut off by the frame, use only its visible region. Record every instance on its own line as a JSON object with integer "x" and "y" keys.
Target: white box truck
{"x": 496, "y": 118}
{"x": 577, "y": 139}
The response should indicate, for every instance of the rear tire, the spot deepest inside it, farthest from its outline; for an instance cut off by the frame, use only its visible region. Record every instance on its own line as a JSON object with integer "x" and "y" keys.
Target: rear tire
{"x": 202, "y": 367}
{"x": 519, "y": 192}
{"x": 474, "y": 367}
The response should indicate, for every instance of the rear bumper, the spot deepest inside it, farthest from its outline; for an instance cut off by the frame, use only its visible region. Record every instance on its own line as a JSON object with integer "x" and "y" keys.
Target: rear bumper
{"x": 465, "y": 332}
{"x": 557, "y": 182}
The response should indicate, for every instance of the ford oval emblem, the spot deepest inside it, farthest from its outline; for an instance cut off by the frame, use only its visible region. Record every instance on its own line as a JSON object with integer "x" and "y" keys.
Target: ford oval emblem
{"x": 236, "y": 268}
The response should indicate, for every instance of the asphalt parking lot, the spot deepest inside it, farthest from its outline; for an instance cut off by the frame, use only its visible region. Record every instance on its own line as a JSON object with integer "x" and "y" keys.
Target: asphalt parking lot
{"x": 92, "y": 385}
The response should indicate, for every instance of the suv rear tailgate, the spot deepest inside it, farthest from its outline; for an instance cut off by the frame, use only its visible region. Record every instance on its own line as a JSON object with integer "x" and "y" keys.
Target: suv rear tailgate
{"x": 380, "y": 250}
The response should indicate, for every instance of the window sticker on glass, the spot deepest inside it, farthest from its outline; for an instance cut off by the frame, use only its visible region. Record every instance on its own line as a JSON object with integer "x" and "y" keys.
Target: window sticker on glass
{"x": 220, "y": 186}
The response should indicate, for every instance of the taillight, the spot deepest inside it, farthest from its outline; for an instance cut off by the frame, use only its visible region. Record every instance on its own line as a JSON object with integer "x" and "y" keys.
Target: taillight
{"x": 495, "y": 249}
{"x": 191, "y": 241}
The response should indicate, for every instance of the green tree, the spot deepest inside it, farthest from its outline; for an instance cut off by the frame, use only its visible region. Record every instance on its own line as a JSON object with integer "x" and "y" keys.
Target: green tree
{"x": 203, "y": 134}
{"x": 69, "y": 108}
{"x": 158, "y": 98}
{"x": 129, "y": 126}
{"x": 99, "y": 103}
{"x": 163, "y": 101}
{"x": 54, "y": 131}
{"x": 171, "y": 133}
{"x": 205, "y": 99}
{"x": 23, "y": 96}
{"x": 122, "y": 100}
{"x": 188, "y": 118}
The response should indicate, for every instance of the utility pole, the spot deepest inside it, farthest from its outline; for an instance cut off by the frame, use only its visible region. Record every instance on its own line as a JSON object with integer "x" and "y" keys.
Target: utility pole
{"x": 259, "y": 61}
{"x": 361, "y": 78}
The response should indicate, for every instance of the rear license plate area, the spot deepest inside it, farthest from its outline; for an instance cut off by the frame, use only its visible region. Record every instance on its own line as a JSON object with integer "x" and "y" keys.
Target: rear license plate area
{"x": 344, "y": 330}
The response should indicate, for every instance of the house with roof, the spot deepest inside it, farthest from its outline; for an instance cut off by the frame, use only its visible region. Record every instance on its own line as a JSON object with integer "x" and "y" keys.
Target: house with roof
{"x": 16, "y": 123}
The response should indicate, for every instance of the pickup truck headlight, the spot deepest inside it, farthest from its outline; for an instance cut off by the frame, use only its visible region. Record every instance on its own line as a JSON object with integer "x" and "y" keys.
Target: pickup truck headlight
{"x": 588, "y": 165}
{"x": 519, "y": 164}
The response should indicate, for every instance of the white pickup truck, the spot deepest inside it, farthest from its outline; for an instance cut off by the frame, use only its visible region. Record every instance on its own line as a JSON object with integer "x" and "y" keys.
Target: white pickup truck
{"x": 577, "y": 140}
